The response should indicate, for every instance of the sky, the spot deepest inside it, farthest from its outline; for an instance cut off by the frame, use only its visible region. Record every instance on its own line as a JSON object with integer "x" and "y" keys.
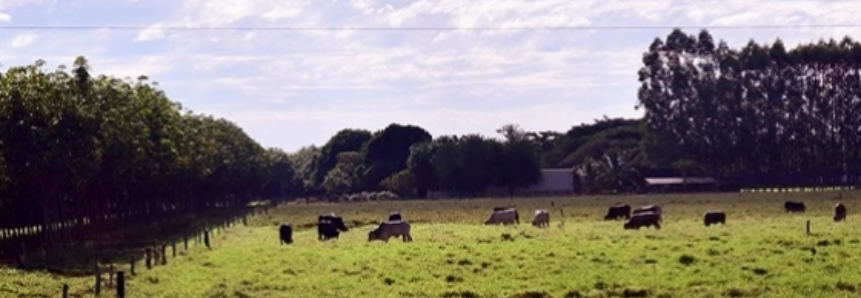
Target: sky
{"x": 294, "y": 88}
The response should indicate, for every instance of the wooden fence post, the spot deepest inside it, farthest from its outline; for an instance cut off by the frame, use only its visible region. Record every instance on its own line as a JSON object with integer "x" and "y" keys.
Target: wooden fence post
{"x": 185, "y": 241}
{"x": 111, "y": 270}
{"x": 808, "y": 227}
{"x": 163, "y": 254}
{"x": 121, "y": 284}
{"x": 65, "y": 291}
{"x": 148, "y": 257}
{"x": 206, "y": 238}
{"x": 173, "y": 249}
{"x": 132, "y": 266}
{"x": 98, "y": 288}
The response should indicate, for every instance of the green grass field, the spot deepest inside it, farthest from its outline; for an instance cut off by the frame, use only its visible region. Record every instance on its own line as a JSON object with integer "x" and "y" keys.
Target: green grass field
{"x": 761, "y": 252}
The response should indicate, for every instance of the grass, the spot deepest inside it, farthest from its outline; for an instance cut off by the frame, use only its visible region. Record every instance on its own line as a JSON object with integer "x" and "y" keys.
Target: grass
{"x": 761, "y": 252}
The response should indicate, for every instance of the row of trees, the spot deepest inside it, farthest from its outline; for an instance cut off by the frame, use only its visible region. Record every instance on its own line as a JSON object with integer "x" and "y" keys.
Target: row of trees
{"x": 760, "y": 115}
{"x": 84, "y": 155}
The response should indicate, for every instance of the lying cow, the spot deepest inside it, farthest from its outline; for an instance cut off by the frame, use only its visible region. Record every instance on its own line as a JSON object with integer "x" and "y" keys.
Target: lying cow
{"x": 640, "y": 220}
{"x": 286, "y": 233}
{"x": 391, "y": 229}
{"x": 618, "y": 211}
{"x": 792, "y": 206}
{"x": 714, "y": 217}
{"x": 541, "y": 219}
{"x": 506, "y": 217}
{"x": 839, "y": 212}
{"x": 330, "y": 226}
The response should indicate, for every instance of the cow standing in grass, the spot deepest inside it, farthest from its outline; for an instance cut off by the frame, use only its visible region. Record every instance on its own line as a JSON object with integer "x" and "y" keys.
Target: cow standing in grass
{"x": 391, "y": 229}
{"x": 656, "y": 209}
{"x": 618, "y": 211}
{"x": 330, "y": 226}
{"x": 640, "y": 220}
{"x": 395, "y": 216}
{"x": 286, "y": 233}
{"x": 839, "y": 212}
{"x": 506, "y": 217}
{"x": 792, "y": 206}
{"x": 714, "y": 217}
{"x": 541, "y": 219}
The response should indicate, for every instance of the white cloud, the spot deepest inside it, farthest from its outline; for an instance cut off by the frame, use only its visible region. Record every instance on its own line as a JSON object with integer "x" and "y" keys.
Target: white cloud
{"x": 153, "y": 32}
{"x": 23, "y": 40}
{"x": 5, "y": 17}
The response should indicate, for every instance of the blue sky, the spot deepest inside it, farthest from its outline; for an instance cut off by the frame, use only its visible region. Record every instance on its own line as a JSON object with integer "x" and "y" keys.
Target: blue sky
{"x": 290, "y": 89}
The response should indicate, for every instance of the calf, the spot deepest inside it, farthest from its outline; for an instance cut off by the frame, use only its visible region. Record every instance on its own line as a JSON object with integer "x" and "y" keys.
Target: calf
{"x": 541, "y": 219}
{"x": 714, "y": 217}
{"x": 839, "y": 212}
{"x": 506, "y": 217}
{"x": 391, "y": 229}
{"x": 330, "y": 226}
{"x": 792, "y": 206}
{"x": 286, "y": 233}
{"x": 618, "y": 211}
{"x": 640, "y": 220}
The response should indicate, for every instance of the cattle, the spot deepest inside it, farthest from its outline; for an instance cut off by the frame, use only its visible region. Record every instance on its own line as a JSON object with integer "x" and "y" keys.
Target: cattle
{"x": 395, "y": 216}
{"x": 648, "y": 209}
{"x": 714, "y": 217}
{"x": 640, "y": 220}
{"x": 497, "y": 208}
{"x": 330, "y": 226}
{"x": 792, "y": 206}
{"x": 541, "y": 219}
{"x": 285, "y": 232}
{"x": 839, "y": 212}
{"x": 391, "y": 229}
{"x": 506, "y": 217}
{"x": 618, "y": 211}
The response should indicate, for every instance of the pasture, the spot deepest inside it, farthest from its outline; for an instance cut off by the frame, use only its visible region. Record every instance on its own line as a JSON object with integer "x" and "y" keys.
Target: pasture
{"x": 761, "y": 252}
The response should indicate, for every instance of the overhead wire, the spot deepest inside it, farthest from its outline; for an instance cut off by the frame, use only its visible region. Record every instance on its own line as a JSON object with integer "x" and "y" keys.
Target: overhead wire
{"x": 432, "y": 28}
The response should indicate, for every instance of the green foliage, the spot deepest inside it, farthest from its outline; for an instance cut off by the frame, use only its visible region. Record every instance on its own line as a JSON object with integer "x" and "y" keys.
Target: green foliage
{"x": 387, "y": 152}
{"x": 343, "y": 141}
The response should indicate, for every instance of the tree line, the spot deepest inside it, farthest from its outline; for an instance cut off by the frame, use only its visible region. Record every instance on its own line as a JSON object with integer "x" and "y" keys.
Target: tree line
{"x": 82, "y": 155}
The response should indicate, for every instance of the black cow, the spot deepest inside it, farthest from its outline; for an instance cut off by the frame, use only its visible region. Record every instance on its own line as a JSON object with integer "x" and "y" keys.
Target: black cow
{"x": 395, "y": 216}
{"x": 792, "y": 206}
{"x": 618, "y": 211}
{"x": 330, "y": 226}
{"x": 640, "y": 220}
{"x": 500, "y": 208}
{"x": 714, "y": 217}
{"x": 286, "y": 233}
{"x": 839, "y": 212}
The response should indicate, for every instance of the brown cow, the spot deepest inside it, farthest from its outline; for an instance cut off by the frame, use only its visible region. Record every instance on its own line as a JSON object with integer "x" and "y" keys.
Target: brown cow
{"x": 714, "y": 217}
{"x": 391, "y": 229}
{"x": 640, "y": 220}
{"x": 839, "y": 212}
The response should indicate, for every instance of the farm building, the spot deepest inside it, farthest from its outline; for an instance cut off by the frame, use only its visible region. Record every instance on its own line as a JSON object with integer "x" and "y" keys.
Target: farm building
{"x": 553, "y": 182}
{"x": 679, "y": 184}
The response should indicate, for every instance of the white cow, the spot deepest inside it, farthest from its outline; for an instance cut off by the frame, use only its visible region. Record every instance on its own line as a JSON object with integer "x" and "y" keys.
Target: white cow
{"x": 541, "y": 219}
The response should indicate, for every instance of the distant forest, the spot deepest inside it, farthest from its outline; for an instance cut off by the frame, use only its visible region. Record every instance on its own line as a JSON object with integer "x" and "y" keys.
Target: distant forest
{"x": 96, "y": 152}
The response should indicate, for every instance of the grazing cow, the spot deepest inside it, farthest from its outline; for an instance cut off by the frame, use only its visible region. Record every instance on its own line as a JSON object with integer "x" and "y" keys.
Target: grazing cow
{"x": 286, "y": 233}
{"x": 714, "y": 217}
{"x": 500, "y": 208}
{"x": 391, "y": 229}
{"x": 330, "y": 226}
{"x": 541, "y": 219}
{"x": 839, "y": 212}
{"x": 395, "y": 216}
{"x": 648, "y": 209}
{"x": 792, "y": 206}
{"x": 506, "y": 217}
{"x": 618, "y": 211}
{"x": 640, "y": 220}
